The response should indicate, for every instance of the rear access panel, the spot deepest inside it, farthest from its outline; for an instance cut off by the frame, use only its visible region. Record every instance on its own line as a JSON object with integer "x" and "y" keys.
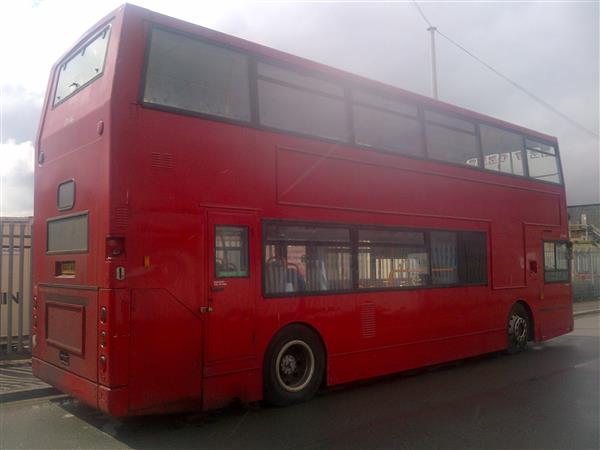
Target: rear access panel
{"x": 67, "y": 325}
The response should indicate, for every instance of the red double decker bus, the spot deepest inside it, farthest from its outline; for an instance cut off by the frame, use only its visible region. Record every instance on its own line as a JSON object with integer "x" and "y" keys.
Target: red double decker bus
{"x": 217, "y": 220}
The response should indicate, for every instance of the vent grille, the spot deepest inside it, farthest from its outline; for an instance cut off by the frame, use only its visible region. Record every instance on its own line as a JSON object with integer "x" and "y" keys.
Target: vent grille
{"x": 162, "y": 160}
{"x": 367, "y": 315}
{"x": 122, "y": 217}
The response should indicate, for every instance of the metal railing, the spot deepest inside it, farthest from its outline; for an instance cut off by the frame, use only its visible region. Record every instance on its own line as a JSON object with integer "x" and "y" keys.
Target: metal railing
{"x": 586, "y": 273}
{"x": 15, "y": 285}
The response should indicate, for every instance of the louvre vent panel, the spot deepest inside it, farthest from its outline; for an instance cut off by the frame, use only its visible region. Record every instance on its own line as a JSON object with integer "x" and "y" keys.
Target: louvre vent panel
{"x": 161, "y": 160}
{"x": 122, "y": 217}
{"x": 367, "y": 315}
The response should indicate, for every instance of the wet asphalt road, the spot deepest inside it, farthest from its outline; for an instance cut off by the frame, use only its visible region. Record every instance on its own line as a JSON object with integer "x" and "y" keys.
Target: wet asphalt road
{"x": 546, "y": 397}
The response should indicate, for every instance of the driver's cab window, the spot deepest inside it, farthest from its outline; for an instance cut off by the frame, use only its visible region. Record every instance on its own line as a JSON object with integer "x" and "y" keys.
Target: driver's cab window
{"x": 231, "y": 251}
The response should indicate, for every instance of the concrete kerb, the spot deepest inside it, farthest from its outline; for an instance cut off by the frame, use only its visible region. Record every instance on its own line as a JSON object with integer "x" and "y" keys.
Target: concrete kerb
{"x": 586, "y": 312}
{"x": 28, "y": 394}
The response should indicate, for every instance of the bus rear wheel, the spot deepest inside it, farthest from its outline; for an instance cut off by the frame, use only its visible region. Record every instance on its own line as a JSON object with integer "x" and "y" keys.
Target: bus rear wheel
{"x": 294, "y": 366}
{"x": 517, "y": 329}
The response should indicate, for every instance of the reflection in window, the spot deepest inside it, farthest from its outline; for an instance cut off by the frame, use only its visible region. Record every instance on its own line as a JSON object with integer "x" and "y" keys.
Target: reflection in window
{"x": 312, "y": 259}
{"x": 502, "y": 150}
{"x": 307, "y": 259}
{"x": 549, "y": 258}
{"x": 542, "y": 161}
{"x": 392, "y": 259}
{"x": 300, "y": 103}
{"x": 556, "y": 262}
{"x": 444, "y": 264}
{"x": 472, "y": 257}
{"x": 451, "y": 145}
{"x": 81, "y": 68}
{"x": 188, "y": 74}
{"x": 231, "y": 252}
{"x": 386, "y": 124}
{"x": 450, "y": 121}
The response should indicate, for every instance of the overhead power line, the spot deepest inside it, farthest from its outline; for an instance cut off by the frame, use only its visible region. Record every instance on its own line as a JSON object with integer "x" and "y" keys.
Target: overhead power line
{"x": 513, "y": 83}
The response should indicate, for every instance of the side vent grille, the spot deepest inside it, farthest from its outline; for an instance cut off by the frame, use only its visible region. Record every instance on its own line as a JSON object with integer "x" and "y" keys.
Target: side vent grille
{"x": 122, "y": 217}
{"x": 367, "y": 316}
{"x": 162, "y": 160}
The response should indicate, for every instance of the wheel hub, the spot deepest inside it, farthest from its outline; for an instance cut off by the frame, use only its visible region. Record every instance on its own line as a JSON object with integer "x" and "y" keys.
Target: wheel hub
{"x": 518, "y": 329}
{"x": 295, "y": 366}
{"x": 289, "y": 364}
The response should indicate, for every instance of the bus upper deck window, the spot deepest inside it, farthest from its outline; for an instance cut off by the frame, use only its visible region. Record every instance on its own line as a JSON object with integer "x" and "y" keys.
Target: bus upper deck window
{"x": 83, "y": 66}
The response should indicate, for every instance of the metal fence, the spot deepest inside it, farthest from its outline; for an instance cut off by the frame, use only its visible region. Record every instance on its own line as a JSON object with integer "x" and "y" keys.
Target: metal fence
{"x": 586, "y": 273}
{"x": 15, "y": 285}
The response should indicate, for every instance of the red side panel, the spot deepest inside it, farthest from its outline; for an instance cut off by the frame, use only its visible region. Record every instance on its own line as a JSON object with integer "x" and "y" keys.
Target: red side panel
{"x": 165, "y": 368}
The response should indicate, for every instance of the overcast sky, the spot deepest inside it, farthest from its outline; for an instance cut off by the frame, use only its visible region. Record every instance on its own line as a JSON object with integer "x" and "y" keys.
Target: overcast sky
{"x": 551, "y": 48}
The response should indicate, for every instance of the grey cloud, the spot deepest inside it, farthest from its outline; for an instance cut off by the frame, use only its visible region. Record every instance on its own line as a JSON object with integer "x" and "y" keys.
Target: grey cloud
{"x": 550, "y": 48}
{"x": 17, "y": 192}
{"x": 21, "y": 113}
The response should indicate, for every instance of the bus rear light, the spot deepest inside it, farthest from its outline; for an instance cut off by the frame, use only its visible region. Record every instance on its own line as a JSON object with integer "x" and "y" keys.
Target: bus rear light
{"x": 115, "y": 246}
{"x": 103, "y": 314}
{"x": 34, "y": 340}
{"x": 103, "y": 361}
{"x": 103, "y": 339}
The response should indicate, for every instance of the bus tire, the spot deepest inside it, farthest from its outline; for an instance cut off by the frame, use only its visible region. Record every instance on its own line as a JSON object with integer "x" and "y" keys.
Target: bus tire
{"x": 517, "y": 329}
{"x": 294, "y": 366}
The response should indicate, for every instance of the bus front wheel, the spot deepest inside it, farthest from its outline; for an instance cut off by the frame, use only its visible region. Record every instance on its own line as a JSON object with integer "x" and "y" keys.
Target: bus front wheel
{"x": 517, "y": 329}
{"x": 294, "y": 366}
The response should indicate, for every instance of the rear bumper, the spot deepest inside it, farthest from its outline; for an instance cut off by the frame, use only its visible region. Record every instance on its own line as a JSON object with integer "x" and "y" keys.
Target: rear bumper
{"x": 111, "y": 401}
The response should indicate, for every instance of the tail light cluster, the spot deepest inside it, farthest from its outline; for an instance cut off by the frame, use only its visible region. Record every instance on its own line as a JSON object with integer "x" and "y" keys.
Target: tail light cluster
{"x": 115, "y": 247}
{"x": 113, "y": 336}
{"x": 103, "y": 341}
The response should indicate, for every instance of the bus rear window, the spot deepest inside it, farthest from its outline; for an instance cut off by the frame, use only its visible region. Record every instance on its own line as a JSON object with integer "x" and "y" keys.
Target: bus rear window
{"x": 68, "y": 234}
{"x": 82, "y": 67}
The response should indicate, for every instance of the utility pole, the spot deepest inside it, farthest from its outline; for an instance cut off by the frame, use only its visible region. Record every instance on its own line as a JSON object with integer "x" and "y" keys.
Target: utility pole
{"x": 432, "y": 30}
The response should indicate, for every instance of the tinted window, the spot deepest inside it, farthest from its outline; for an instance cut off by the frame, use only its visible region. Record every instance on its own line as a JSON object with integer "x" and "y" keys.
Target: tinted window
{"x": 444, "y": 261}
{"x": 502, "y": 150}
{"x": 188, "y": 74}
{"x": 306, "y": 259}
{"x": 385, "y": 129}
{"x": 542, "y": 162}
{"x": 303, "y": 233}
{"x": 450, "y": 121}
{"x": 391, "y": 237}
{"x": 549, "y": 257}
{"x": 66, "y": 195}
{"x": 556, "y": 262}
{"x": 231, "y": 252}
{"x": 390, "y": 105}
{"x": 84, "y": 66}
{"x": 472, "y": 257}
{"x": 312, "y": 259}
{"x": 68, "y": 234}
{"x": 299, "y": 80}
{"x": 389, "y": 258}
{"x": 300, "y": 103}
{"x": 451, "y": 145}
